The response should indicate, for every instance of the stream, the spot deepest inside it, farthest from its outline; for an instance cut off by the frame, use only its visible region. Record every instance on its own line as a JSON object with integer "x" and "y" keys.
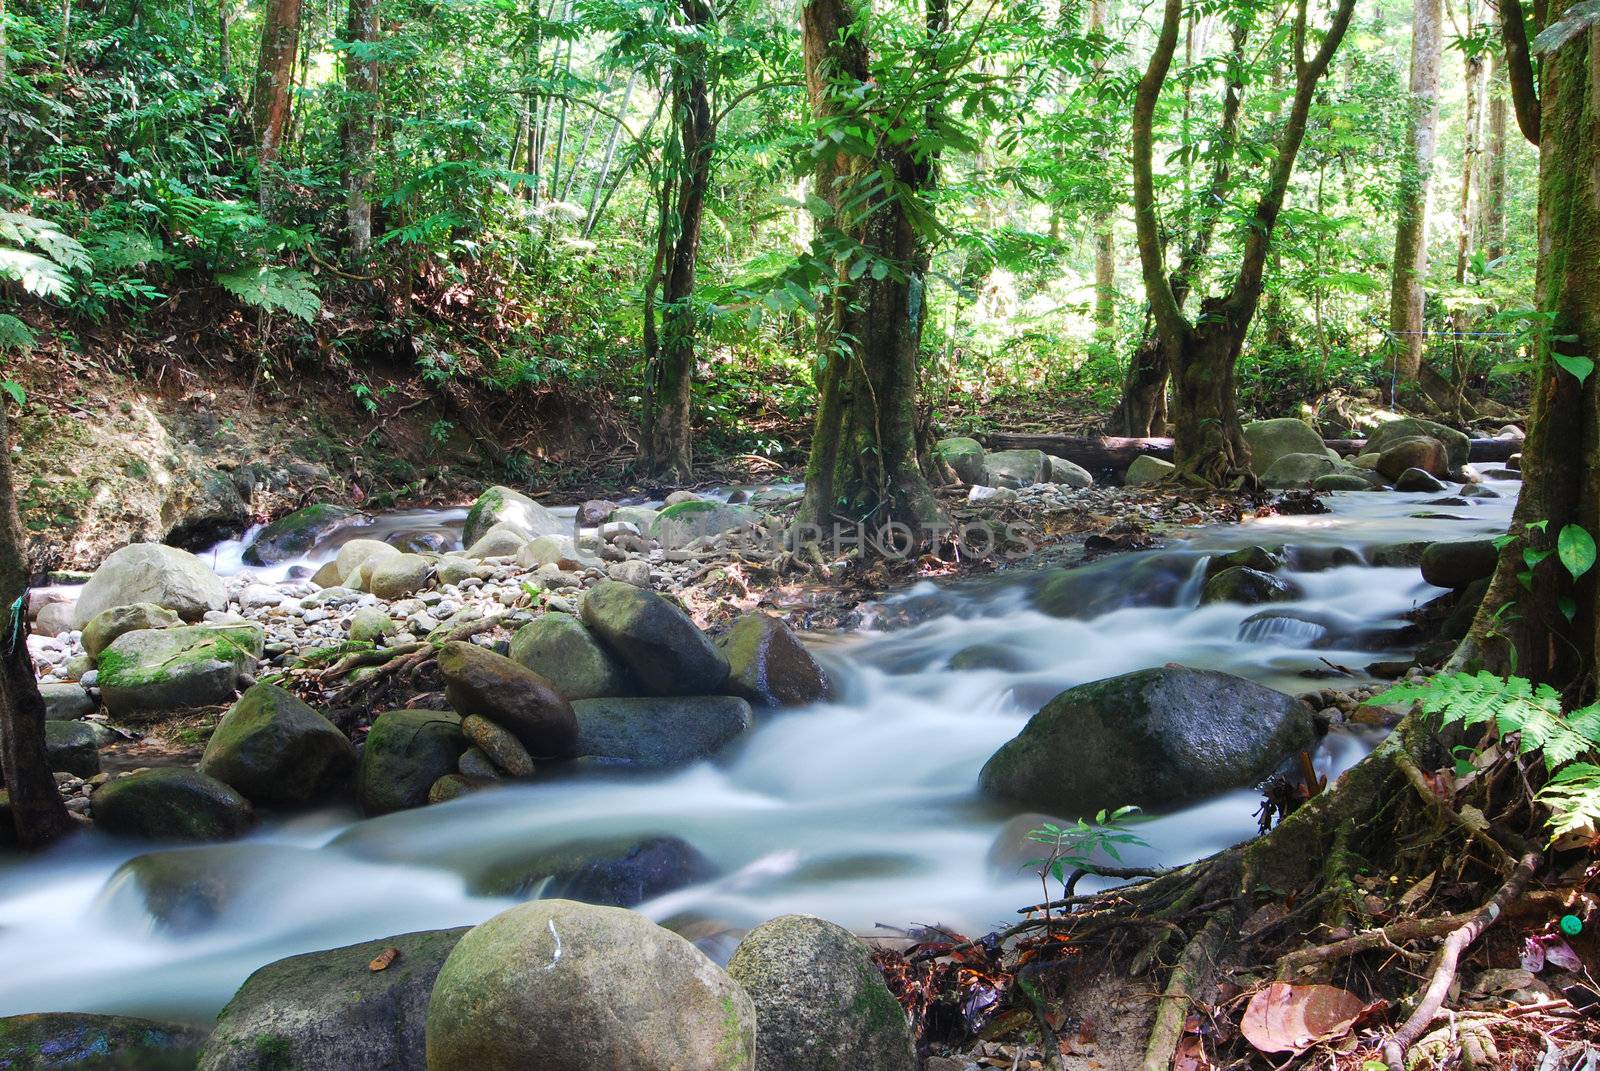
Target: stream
{"x": 863, "y": 810}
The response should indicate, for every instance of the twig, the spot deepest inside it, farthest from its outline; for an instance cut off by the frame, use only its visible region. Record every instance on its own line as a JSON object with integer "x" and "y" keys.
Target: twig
{"x": 1104, "y": 872}
{"x": 1504, "y": 861}
{"x": 1407, "y": 930}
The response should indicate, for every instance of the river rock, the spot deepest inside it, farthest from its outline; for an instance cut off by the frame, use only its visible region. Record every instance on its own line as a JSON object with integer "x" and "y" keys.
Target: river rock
{"x": 371, "y": 624}
{"x": 293, "y": 535}
{"x": 632, "y": 571}
{"x": 1458, "y": 447}
{"x": 501, "y": 541}
{"x": 1067, "y": 473}
{"x": 54, "y": 618}
{"x": 1297, "y": 470}
{"x": 478, "y": 681}
{"x": 327, "y": 575}
{"x": 70, "y": 1041}
{"x": 557, "y": 550}
{"x": 449, "y": 787}
{"x": 331, "y": 1011}
{"x": 641, "y": 517}
{"x": 503, "y": 750}
{"x": 1343, "y": 481}
{"x": 1413, "y": 452}
{"x": 1015, "y": 468}
{"x": 1270, "y": 440}
{"x": 1157, "y": 738}
{"x": 595, "y": 512}
{"x": 616, "y": 871}
{"x": 276, "y": 751}
{"x": 1248, "y": 586}
{"x": 151, "y": 572}
{"x": 963, "y": 455}
{"x": 100, "y": 631}
{"x": 186, "y": 891}
{"x": 71, "y": 747}
{"x": 820, "y": 1000}
{"x": 1418, "y": 480}
{"x": 682, "y": 523}
{"x": 1089, "y": 591}
{"x": 1253, "y": 557}
{"x": 398, "y": 576}
{"x": 160, "y": 670}
{"x": 475, "y": 766}
{"x": 502, "y": 505}
{"x": 563, "y": 986}
{"x": 1146, "y": 469}
{"x": 358, "y": 551}
{"x": 405, "y": 753}
{"x": 560, "y": 649}
{"x": 1458, "y": 564}
{"x": 769, "y": 666}
{"x": 662, "y": 648}
{"x": 65, "y": 701}
{"x": 658, "y": 733}
{"x": 171, "y": 803}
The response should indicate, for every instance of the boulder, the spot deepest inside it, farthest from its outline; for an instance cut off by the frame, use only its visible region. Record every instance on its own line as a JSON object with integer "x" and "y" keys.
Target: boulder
{"x": 475, "y": 766}
{"x": 617, "y": 872}
{"x": 1242, "y": 584}
{"x": 1458, "y": 447}
{"x": 1297, "y": 470}
{"x": 356, "y": 552}
{"x": 69, "y": 1041}
{"x": 1398, "y": 555}
{"x": 149, "y": 572}
{"x": 54, "y": 618}
{"x": 1157, "y": 738}
{"x": 769, "y": 666}
{"x": 641, "y": 517}
{"x": 1413, "y": 452}
{"x": 1418, "y": 480}
{"x": 291, "y": 536}
{"x": 160, "y": 670}
{"x": 1015, "y": 468}
{"x": 633, "y": 572}
{"x": 564, "y": 986}
{"x": 1459, "y": 564}
{"x": 497, "y": 745}
{"x": 1067, "y": 473}
{"x": 454, "y": 568}
{"x": 397, "y": 576}
{"x": 327, "y": 575}
{"x": 276, "y": 751}
{"x": 371, "y": 624}
{"x": 681, "y": 524}
{"x": 501, "y": 541}
{"x": 449, "y": 787}
{"x": 65, "y": 701}
{"x": 558, "y": 550}
{"x": 100, "y": 631}
{"x": 1147, "y": 470}
{"x": 332, "y": 1011}
{"x": 595, "y": 512}
{"x": 963, "y": 455}
{"x": 1343, "y": 481}
{"x": 171, "y": 803}
{"x": 658, "y": 733}
{"x": 502, "y": 505}
{"x": 561, "y": 650}
{"x": 662, "y": 648}
{"x": 1270, "y": 440}
{"x": 405, "y": 753}
{"x": 478, "y": 681}
{"x": 1253, "y": 557}
{"x": 186, "y": 891}
{"x": 1090, "y": 591}
{"x": 71, "y": 747}
{"x": 820, "y": 1000}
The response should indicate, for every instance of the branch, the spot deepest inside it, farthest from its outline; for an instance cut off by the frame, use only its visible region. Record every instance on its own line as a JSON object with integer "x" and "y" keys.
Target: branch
{"x": 740, "y": 98}
{"x": 1519, "y": 68}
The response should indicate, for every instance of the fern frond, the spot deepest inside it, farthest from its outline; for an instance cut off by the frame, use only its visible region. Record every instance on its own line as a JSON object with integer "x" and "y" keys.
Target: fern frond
{"x": 1573, "y": 796}
{"x": 275, "y": 289}
{"x": 15, "y": 336}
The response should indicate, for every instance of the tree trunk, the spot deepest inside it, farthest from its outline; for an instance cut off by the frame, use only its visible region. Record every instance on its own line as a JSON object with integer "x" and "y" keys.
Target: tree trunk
{"x": 1492, "y": 202}
{"x": 668, "y": 451}
{"x": 1105, "y": 242}
{"x": 360, "y": 125}
{"x": 1411, "y": 232}
{"x": 37, "y": 813}
{"x": 864, "y": 477}
{"x": 224, "y": 47}
{"x": 280, "y": 46}
{"x": 1471, "y": 148}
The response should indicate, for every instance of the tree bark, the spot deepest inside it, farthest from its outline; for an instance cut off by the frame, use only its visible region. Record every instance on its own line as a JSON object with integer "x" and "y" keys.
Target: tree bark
{"x": 1471, "y": 150}
{"x": 280, "y": 46}
{"x": 37, "y": 813}
{"x": 1105, "y": 241}
{"x": 360, "y": 125}
{"x": 864, "y": 475}
{"x": 1408, "y": 295}
{"x": 1492, "y": 202}
{"x": 1519, "y": 68}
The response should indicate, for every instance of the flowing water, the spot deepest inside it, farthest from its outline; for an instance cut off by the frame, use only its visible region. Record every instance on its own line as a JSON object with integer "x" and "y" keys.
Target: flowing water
{"x": 861, "y": 810}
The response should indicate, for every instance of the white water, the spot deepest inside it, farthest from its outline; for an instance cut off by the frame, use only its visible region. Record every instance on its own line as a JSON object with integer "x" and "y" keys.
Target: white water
{"x": 863, "y": 810}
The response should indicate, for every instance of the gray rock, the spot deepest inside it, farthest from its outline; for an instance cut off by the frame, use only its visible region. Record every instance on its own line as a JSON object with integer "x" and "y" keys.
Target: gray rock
{"x": 1093, "y": 590}
{"x": 276, "y": 751}
{"x": 171, "y": 803}
{"x": 1342, "y": 481}
{"x": 355, "y": 553}
{"x": 1248, "y": 586}
{"x": 1457, "y": 446}
{"x": 641, "y": 517}
{"x": 503, "y": 750}
{"x": 293, "y": 535}
{"x": 1067, "y": 473}
{"x": 821, "y": 1003}
{"x": 79, "y": 1041}
{"x": 616, "y": 871}
{"x": 478, "y": 681}
{"x": 1413, "y": 452}
{"x": 1270, "y": 440}
{"x": 475, "y": 766}
{"x": 502, "y": 505}
{"x": 405, "y": 753}
{"x": 1459, "y": 564}
{"x": 633, "y": 572}
{"x": 501, "y": 541}
{"x": 371, "y": 624}
{"x": 71, "y": 747}
{"x": 769, "y": 666}
{"x": 557, "y": 550}
{"x": 682, "y": 523}
{"x": 595, "y": 512}
{"x": 160, "y": 670}
{"x": 398, "y": 576}
{"x": 560, "y": 649}
{"x": 449, "y": 787}
{"x": 1297, "y": 470}
{"x": 65, "y": 701}
{"x": 54, "y": 618}
{"x": 150, "y": 572}
{"x": 963, "y": 455}
{"x": 1147, "y": 470}
{"x": 563, "y": 986}
{"x": 662, "y": 648}
{"x": 1417, "y": 480}
{"x": 1015, "y": 468}
{"x": 658, "y": 733}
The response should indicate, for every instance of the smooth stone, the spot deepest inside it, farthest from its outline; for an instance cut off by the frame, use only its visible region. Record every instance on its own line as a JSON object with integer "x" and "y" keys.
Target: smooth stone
{"x": 658, "y": 733}
{"x": 71, "y": 747}
{"x": 398, "y": 576}
{"x": 1458, "y": 447}
{"x": 70, "y": 1041}
{"x": 276, "y": 751}
{"x": 1146, "y": 469}
{"x": 102, "y": 630}
{"x": 153, "y": 573}
{"x": 292, "y": 535}
{"x": 1067, "y": 473}
{"x": 171, "y": 803}
{"x": 475, "y": 766}
{"x": 663, "y": 649}
{"x": 154, "y": 671}
{"x": 1270, "y": 440}
{"x": 560, "y": 649}
{"x": 1242, "y": 584}
{"x": 769, "y": 666}
{"x": 963, "y": 455}
{"x": 615, "y": 871}
{"x": 65, "y": 701}
{"x": 478, "y": 681}
{"x": 1458, "y": 564}
{"x": 503, "y": 505}
{"x": 406, "y": 752}
{"x": 1015, "y": 468}
{"x": 1417, "y": 480}
{"x": 1413, "y": 452}
{"x": 503, "y": 750}
{"x": 682, "y": 523}
{"x": 501, "y": 541}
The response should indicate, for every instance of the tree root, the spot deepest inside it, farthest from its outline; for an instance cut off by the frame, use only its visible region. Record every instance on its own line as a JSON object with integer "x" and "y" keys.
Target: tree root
{"x": 1188, "y": 977}
{"x": 1505, "y": 862}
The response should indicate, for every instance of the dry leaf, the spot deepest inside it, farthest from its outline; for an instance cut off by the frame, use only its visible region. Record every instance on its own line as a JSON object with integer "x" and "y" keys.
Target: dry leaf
{"x": 1191, "y": 1055}
{"x": 1292, "y": 1018}
{"x": 384, "y": 960}
{"x": 1417, "y": 891}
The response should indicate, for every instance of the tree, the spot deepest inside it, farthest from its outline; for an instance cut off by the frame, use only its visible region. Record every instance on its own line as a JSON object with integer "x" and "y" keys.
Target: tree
{"x": 1492, "y": 202}
{"x": 1208, "y": 440}
{"x": 360, "y": 122}
{"x": 1105, "y": 240}
{"x": 1407, "y": 295}
{"x": 280, "y": 45}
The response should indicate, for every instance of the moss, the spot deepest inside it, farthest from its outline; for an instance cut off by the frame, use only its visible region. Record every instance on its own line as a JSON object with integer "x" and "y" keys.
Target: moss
{"x": 489, "y": 503}
{"x": 689, "y": 509}
{"x": 273, "y": 1053}
{"x": 224, "y": 644}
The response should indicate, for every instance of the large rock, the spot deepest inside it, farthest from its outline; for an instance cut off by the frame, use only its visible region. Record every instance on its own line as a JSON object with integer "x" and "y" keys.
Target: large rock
{"x": 79, "y": 1041}
{"x": 1270, "y": 440}
{"x": 1088, "y": 591}
{"x": 102, "y": 630}
{"x": 1459, "y": 564}
{"x": 1146, "y": 470}
{"x": 563, "y": 986}
{"x": 1297, "y": 470}
{"x": 1067, "y": 473}
{"x": 150, "y": 572}
{"x": 1156, "y": 738}
{"x": 681, "y": 524}
{"x": 153, "y": 671}
{"x": 1413, "y": 452}
{"x": 560, "y": 649}
{"x": 1241, "y": 584}
{"x": 617, "y": 872}
{"x": 478, "y": 681}
{"x": 171, "y": 803}
{"x": 1015, "y": 468}
{"x": 502, "y": 505}
{"x": 71, "y": 747}
{"x": 276, "y": 751}
{"x": 666, "y": 653}
{"x": 356, "y": 552}
{"x": 769, "y": 666}
{"x": 398, "y": 576}
{"x": 501, "y": 541}
{"x": 331, "y": 1011}
{"x": 558, "y": 550}
{"x": 188, "y": 891}
{"x": 405, "y": 753}
{"x": 963, "y": 455}
{"x": 65, "y": 701}
{"x": 1458, "y": 446}
{"x": 1418, "y": 480}
{"x": 821, "y": 1003}
{"x": 657, "y": 733}
{"x": 291, "y": 536}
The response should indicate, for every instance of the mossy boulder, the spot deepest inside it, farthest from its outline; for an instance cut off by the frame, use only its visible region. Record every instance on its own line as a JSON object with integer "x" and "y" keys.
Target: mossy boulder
{"x": 153, "y": 573}
{"x": 1015, "y": 468}
{"x": 332, "y": 1011}
{"x": 188, "y": 890}
{"x": 963, "y": 455}
{"x": 358, "y": 551}
{"x": 1157, "y": 738}
{"x": 560, "y": 649}
{"x": 663, "y": 649}
{"x": 1241, "y": 584}
{"x": 405, "y": 753}
{"x": 294, "y": 534}
{"x": 479, "y": 681}
{"x": 1297, "y": 470}
{"x": 371, "y": 624}
{"x": 276, "y": 751}
{"x": 1272, "y": 439}
{"x": 1146, "y": 470}
{"x": 821, "y": 1003}
{"x": 154, "y": 671}
{"x": 1458, "y": 447}
{"x": 681, "y": 524}
{"x": 769, "y": 666}
{"x": 65, "y": 701}
{"x": 102, "y": 630}
{"x": 1089, "y": 591}
{"x": 1344, "y": 481}
{"x": 657, "y": 733}
{"x": 502, "y": 505}
{"x": 398, "y": 576}
{"x": 641, "y": 517}
{"x": 1419, "y": 481}
{"x": 171, "y": 803}
{"x": 1460, "y": 563}
{"x": 80, "y": 1041}
{"x": 615, "y": 871}
{"x": 1413, "y": 452}
{"x": 71, "y": 747}
{"x": 1266, "y": 559}
{"x": 564, "y": 986}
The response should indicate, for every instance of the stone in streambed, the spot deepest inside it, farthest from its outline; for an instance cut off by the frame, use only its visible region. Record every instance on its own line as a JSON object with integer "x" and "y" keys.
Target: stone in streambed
{"x": 1297, "y": 470}
{"x": 564, "y": 986}
{"x": 357, "y": 552}
{"x": 560, "y": 649}
{"x": 501, "y": 541}
{"x": 1460, "y": 563}
{"x": 663, "y": 649}
{"x": 1147, "y": 470}
{"x": 399, "y": 576}
{"x": 276, "y": 751}
{"x": 406, "y": 752}
{"x": 1242, "y": 584}
{"x": 371, "y": 624}
{"x": 102, "y": 630}
{"x": 1015, "y": 468}
{"x": 1259, "y": 558}
{"x": 617, "y": 871}
{"x": 478, "y": 681}
{"x": 294, "y": 534}
{"x": 1090, "y": 591}
{"x": 71, "y": 747}
{"x": 1157, "y": 738}
{"x": 595, "y": 512}
{"x": 682, "y": 523}
{"x": 1270, "y": 440}
{"x": 475, "y": 766}
{"x": 153, "y": 573}
{"x": 1413, "y": 452}
{"x": 65, "y": 701}
{"x": 1458, "y": 447}
{"x": 68, "y": 1041}
{"x": 502, "y": 505}
{"x": 331, "y": 1011}
{"x": 1343, "y": 481}
{"x": 501, "y": 748}
{"x": 449, "y": 787}
{"x": 1066, "y": 473}
{"x": 658, "y": 733}
{"x": 1417, "y": 480}
{"x": 171, "y": 803}
{"x": 963, "y": 455}
{"x": 820, "y": 1001}
{"x": 153, "y": 671}
{"x": 769, "y": 666}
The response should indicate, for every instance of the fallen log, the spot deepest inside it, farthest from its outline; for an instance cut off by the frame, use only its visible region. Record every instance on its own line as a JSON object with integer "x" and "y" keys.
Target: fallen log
{"x": 1106, "y": 455}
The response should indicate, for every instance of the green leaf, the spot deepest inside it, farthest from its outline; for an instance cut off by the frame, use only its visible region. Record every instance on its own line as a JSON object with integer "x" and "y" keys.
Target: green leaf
{"x": 14, "y": 391}
{"x": 1575, "y": 363}
{"x": 1576, "y": 547}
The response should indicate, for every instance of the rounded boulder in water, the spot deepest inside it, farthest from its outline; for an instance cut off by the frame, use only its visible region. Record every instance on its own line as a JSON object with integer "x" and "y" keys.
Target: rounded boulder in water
{"x": 770, "y": 666}
{"x": 665, "y": 651}
{"x": 276, "y": 751}
{"x": 563, "y": 986}
{"x": 478, "y": 681}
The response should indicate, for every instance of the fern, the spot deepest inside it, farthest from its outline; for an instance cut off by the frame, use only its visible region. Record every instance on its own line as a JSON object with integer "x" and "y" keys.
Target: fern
{"x": 120, "y": 250}
{"x": 274, "y": 289}
{"x": 1573, "y": 796}
{"x": 48, "y": 272}
{"x": 15, "y": 336}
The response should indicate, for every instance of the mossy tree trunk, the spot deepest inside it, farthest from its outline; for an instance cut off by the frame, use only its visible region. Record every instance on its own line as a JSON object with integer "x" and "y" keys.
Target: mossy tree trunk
{"x": 1407, "y": 295}
{"x": 864, "y": 472}
{"x": 360, "y": 125}
{"x": 280, "y": 45}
